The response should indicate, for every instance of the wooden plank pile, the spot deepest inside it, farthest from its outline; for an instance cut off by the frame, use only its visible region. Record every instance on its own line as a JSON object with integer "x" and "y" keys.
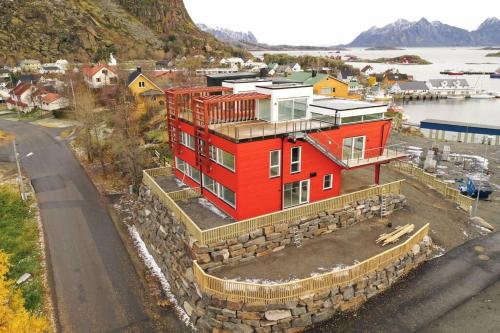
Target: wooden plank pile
{"x": 394, "y": 236}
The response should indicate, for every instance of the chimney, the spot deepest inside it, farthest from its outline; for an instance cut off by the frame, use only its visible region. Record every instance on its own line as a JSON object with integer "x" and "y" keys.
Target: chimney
{"x": 314, "y": 73}
{"x": 139, "y": 69}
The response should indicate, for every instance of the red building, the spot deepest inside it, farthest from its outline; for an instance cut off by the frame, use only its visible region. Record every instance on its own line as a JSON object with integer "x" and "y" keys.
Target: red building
{"x": 271, "y": 146}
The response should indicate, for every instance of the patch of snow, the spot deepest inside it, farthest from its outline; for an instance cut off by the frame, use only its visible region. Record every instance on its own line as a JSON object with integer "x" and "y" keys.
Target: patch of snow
{"x": 210, "y": 206}
{"x": 413, "y": 148}
{"x": 439, "y": 252}
{"x": 482, "y": 230}
{"x": 153, "y": 267}
{"x": 180, "y": 183}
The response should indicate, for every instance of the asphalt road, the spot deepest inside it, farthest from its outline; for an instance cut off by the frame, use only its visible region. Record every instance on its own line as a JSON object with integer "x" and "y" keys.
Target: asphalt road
{"x": 457, "y": 292}
{"x": 94, "y": 284}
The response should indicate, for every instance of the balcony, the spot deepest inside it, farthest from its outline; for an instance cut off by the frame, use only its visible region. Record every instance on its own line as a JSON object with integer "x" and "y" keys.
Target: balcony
{"x": 389, "y": 153}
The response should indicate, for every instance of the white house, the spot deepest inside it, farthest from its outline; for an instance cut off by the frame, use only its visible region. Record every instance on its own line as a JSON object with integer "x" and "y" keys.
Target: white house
{"x": 52, "y": 101}
{"x": 296, "y": 67}
{"x": 409, "y": 88}
{"x": 445, "y": 87}
{"x": 21, "y": 97}
{"x": 232, "y": 62}
{"x": 51, "y": 69}
{"x": 62, "y": 63}
{"x": 30, "y": 65}
{"x": 99, "y": 76}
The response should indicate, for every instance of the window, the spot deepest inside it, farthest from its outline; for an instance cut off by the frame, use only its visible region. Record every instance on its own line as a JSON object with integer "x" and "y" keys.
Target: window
{"x": 353, "y": 148}
{"x": 327, "y": 182}
{"x": 188, "y": 170}
{"x": 219, "y": 190}
{"x": 187, "y": 140}
{"x": 326, "y": 91}
{"x": 222, "y": 157}
{"x": 142, "y": 84}
{"x": 265, "y": 109}
{"x": 274, "y": 163}
{"x": 98, "y": 79}
{"x": 295, "y": 160}
{"x": 289, "y": 109}
{"x": 356, "y": 119}
{"x": 296, "y": 193}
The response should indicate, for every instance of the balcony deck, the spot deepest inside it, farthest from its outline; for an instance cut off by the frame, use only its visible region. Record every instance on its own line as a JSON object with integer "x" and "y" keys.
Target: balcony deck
{"x": 254, "y": 129}
{"x": 388, "y": 155}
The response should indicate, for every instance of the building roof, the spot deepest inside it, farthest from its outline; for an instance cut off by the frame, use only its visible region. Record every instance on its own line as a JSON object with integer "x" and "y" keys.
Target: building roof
{"x": 29, "y": 78}
{"x": 51, "y": 97}
{"x": 17, "y": 103}
{"x": 458, "y": 123}
{"x": 449, "y": 82}
{"x": 396, "y": 76}
{"x": 307, "y": 77}
{"x": 51, "y": 68}
{"x": 344, "y": 104}
{"x": 21, "y": 88}
{"x": 345, "y": 73}
{"x": 132, "y": 76}
{"x": 412, "y": 85}
{"x": 367, "y": 67}
{"x": 91, "y": 71}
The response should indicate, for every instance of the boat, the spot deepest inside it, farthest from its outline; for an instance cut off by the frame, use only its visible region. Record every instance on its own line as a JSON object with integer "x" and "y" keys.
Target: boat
{"x": 458, "y": 97}
{"x": 452, "y": 72}
{"x": 482, "y": 96}
{"x": 495, "y": 75}
{"x": 381, "y": 97}
{"x": 395, "y": 108}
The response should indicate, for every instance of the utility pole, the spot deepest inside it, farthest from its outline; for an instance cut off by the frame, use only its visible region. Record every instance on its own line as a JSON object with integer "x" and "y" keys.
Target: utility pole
{"x": 19, "y": 175}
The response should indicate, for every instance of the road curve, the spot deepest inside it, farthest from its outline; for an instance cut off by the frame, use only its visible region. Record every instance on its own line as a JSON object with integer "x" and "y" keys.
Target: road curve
{"x": 95, "y": 287}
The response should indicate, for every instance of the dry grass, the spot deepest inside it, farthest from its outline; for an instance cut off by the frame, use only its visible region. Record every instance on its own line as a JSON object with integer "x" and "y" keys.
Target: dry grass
{"x": 5, "y": 137}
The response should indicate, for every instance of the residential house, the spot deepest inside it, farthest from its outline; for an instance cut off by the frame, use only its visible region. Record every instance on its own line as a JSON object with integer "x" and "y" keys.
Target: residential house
{"x": 21, "y": 97}
{"x": 214, "y": 71}
{"x": 99, "y": 76}
{"x": 445, "y": 87}
{"x": 296, "y": 67}
{"x": 63, "y": 64}
{"x": 51, "y": 101}
{"x": 375, "y": 79}
{"x": 30, "y": 65}
{"x": 232, "y": 62}
{"x": 51, "y": 69}
{"x": 391, "y": 78}
{"x": 409, "y": 88}
{"x": 367, "y": 70}
{"x": 29, "y": 78}
{"x": 267, "y": 151}
{"x": 324, "y": 84}
{"x": 146, "y": 90}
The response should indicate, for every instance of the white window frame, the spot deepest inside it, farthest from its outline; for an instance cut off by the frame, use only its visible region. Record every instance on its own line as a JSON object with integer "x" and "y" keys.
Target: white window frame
{"x": 186, "y": 139}
{"x": 271, "y": 166}
{"x": 308, "y": 181}
{"x": 187, "y": 170}
{"x": 352, "y": 148}
{"x": 330, "y": 175}
{"x": 299, "y": 162}
{"x": 216, "y": 156}
{"x": 218, "y": 189}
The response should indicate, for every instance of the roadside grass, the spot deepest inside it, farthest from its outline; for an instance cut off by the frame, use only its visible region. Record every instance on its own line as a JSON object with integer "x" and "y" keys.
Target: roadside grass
{"x": 19, "y": 239}
{"x": 67, "y": 133}
{"x": 5, "y": 137}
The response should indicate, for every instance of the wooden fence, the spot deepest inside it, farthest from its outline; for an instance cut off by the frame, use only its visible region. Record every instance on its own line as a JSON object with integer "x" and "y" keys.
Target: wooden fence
{"x": 442, "y": 187}
{"x": 284, "y": 292}
{"x": 239, "y": 228}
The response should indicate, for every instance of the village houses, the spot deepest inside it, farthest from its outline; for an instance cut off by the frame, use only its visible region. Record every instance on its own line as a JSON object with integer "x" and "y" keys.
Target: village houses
{"x": 147, "y": 90}
{"x": 21, "y": 98}
{"x": 323, "y": 84}
{"x": 446, "y": 87}
{"x": 99, "y": 76}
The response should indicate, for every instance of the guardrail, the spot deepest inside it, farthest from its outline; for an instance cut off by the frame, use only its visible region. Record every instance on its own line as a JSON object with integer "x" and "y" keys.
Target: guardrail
{"x": 449, "y": 193}
{"x": 284, "y": 292}
{"x": 239, "y": 228}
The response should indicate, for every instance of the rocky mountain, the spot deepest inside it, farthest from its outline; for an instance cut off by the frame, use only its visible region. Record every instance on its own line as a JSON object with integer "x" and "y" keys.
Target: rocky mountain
{"x": 82, "y": 30}
{"x": 425, "y": 33}
{"x": 227, "y": 35}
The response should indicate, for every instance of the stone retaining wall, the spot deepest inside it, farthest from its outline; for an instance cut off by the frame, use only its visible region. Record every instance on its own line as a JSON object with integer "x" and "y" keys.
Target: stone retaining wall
{"x": 174, "y": 251}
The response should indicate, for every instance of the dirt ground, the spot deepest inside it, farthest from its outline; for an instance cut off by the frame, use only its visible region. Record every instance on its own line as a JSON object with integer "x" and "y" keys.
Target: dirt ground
{"x": 488, "y": 209}
{"x": 202, "y": 212}
{"x": 449, "y": 228}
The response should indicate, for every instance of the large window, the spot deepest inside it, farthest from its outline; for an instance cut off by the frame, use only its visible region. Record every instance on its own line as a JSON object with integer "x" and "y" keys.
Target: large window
{"x": 296, "y": 193}
{"x": 187, "y": 140}
{"x": 353, "y": 148}
{"x": 295, "y": 160}
{"x": 219, "y": 190}
{"x": 274, "y": 163}
{"x": 366, "y": 117}
{"x": 222, "y": 157}
{"x": 327, "y": 182}
{"x": 290, "y": 109}
{"x": 188, "y": 170}
{"x": 265, "y": 109}
{"x": 326, "y": 91}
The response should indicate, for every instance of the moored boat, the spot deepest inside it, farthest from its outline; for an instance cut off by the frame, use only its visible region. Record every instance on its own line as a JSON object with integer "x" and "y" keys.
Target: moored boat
{"x": 458, "y": 97}
{"x": 495, "y": 75}
{"x": 482, "y": 96}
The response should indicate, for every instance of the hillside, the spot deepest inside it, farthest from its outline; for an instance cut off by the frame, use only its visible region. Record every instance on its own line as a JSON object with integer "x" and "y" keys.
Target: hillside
{"x": 424, "y": 33}
{"x": 81, "y": 29}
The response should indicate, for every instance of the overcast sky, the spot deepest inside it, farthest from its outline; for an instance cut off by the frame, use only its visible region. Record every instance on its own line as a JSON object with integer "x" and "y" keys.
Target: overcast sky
{"x": 330, "y": 22}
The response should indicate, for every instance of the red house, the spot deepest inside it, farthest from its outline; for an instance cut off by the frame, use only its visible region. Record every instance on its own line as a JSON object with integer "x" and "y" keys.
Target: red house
{"x": 271, "y": 146}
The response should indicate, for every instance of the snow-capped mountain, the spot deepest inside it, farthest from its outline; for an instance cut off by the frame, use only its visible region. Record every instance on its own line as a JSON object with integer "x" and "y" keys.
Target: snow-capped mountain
{"x": 227, "y": 35}
{"x": 424, "y": 33}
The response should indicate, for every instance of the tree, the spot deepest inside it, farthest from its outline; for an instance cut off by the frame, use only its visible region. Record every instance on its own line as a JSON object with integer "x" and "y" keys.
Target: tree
{"x": 13, "y": 316}
{"x": 91, "y": 120}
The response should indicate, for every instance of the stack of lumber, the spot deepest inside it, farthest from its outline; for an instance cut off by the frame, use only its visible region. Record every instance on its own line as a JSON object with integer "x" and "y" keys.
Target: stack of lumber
{"x": 395, "y": 235}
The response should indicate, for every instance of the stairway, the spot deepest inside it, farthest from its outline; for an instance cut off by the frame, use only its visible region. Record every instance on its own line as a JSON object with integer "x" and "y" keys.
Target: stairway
{"x": 383, "y": 206}
{"x": 296, "y": 237}
{"x": 324, "y": 150}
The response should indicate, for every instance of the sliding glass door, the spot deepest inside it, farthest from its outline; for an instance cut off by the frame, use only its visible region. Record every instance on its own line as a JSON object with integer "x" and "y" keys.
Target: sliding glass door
{"x": 353, "y": 148}
{"x": 296, "y": 193}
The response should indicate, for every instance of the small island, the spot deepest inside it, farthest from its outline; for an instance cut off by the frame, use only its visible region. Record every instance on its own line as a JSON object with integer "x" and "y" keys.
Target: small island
{"x": 384, "y": 48}
{"x": 496, "y": 54}
{"x": 401, "y": 60}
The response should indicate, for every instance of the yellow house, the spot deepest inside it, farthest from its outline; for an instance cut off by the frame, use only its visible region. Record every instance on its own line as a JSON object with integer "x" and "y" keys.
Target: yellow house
{"x": 324, "y": 84}
{"x": 146, "y": 91}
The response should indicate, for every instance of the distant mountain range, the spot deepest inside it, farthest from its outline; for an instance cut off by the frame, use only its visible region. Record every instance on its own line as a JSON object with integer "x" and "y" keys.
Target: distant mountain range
{"x": 229, "y": 36}
{"x": 425, "y": 33}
